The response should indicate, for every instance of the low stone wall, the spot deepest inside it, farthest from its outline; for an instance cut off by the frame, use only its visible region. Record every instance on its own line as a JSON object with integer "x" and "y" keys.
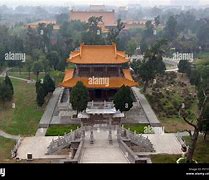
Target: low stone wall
{"x": 77, "y": 156}
{"x": 17, "y": 145}
{"x": 130, "y": 155}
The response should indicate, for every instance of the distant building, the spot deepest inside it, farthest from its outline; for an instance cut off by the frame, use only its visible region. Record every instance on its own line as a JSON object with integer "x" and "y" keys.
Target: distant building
{"x": 35, "y": 25}
{"x": 108, "y": 16}
{"x": 129, "y": 24}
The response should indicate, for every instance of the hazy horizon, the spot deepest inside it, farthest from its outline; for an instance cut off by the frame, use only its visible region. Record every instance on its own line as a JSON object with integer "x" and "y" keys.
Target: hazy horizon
{"x": 13, "y": 3}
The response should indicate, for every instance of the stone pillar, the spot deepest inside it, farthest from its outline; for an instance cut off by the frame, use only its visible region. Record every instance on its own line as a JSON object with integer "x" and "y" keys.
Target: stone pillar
{"x": 82, "y": 131}
{"x": 106, "y": 73}
{"x": 118, "y": 132}
{"x": 110, "y": 132}
{"x": 92, "y": 135}
{"x": 119, "y": 72}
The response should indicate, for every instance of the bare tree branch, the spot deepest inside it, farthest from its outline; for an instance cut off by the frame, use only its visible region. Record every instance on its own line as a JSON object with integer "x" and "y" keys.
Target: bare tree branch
{"x": 203, "y": 105}
{"x": 188, "y": 122}
{"x": 190, "y": 132}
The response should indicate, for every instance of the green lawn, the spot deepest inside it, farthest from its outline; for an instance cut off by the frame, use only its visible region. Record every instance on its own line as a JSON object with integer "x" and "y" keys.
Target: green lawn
{"x": 164, "y": 158}
{"x": 25, "y": 75}
{"x": 24, "y": 119}
{"x": 60, "y": 130}
{"x": 174, "y": 124}
{"x": 139, "y": 128}
{"x": 56, "y": 75}
{"x": 6, "y": 145}
{"x": 201, "y": 154}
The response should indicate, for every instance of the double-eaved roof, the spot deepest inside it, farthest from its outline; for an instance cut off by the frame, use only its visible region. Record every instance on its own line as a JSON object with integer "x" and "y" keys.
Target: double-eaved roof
{"x": 114, "y": 82}
{"x": 98, "y": 54}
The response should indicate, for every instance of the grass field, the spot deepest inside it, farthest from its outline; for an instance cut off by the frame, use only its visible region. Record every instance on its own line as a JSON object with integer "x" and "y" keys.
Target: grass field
{"x": 139, "y": 128}
{"x": 201, "y": 154}
{"x": 56, "y": 75}
{"x": 24, "y": 119}
{"x": 5, "y": 148}
{"x": 25, "y": 75}
{"x": 174, "y": 124}
{"x": 60, "y": 130}
{"x": 164, "y": 158}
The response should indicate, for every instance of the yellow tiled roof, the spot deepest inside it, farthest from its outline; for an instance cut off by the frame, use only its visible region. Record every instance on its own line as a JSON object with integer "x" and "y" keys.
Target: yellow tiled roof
{"x": 114, "y": 82}
{"x": 98, "y": 54}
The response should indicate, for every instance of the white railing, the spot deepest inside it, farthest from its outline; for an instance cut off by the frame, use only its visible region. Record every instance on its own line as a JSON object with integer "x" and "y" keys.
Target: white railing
{"x": 100, "y": 105}
{"x": 138, "y": 139}
{"x": 64, "y": 141}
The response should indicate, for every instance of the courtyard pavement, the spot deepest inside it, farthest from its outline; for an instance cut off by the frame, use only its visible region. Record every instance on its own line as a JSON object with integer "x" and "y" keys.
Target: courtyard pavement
{"x": 150, "y": 114}
{"x": 101, "y": 151}
{"x": 37, "y": 146}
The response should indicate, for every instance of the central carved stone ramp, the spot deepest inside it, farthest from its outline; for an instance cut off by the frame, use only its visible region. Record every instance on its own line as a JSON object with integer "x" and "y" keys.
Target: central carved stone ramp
{"x": 101, "y": 151}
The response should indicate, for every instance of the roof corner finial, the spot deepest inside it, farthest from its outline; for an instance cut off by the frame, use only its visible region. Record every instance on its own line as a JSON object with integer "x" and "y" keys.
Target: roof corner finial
{"x": 115, "y": 48}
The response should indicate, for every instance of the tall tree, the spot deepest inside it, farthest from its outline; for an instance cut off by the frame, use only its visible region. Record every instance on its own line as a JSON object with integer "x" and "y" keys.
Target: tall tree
{"x": 114, "y": 32}
{"x": 94, "y": 32}
{"x": 5, "y": 92}
{"x": 123, "y": 100}
{"x": 170, "y": 28}
{"x": 79, "y": 97}
{"x": 37, "y": 68}
{"x": 54, "y": 59}
{"x": 49, "y": 84}
{"x": 40, "y": 95}
{"x": 184, "y": 66}
{"x": 8, "y": 82}
{"x": 29, "y": 65}
{"x": 199, "y": 122}
{"x": 153, "y": 63}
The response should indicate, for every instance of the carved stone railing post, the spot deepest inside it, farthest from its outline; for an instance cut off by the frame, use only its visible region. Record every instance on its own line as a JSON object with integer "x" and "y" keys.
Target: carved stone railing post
{"x": 110, "y": 132}
{"x": 91, "y": 135}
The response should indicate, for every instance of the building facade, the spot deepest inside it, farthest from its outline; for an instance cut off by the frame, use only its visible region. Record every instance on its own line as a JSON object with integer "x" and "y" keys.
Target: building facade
{"x": 102, "y": 69}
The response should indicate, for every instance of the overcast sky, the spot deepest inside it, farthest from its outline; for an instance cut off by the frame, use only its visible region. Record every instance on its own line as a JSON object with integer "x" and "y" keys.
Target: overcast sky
{"x": 74, "y": 2}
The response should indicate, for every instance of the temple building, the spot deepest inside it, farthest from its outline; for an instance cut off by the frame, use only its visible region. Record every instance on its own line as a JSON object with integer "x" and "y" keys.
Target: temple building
{"x": 102, "y": 68}
{"x": 108, "y": 16}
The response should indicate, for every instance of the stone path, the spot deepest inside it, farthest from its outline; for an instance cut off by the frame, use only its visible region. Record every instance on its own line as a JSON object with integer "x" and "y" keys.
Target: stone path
{"x": 9, "y": 136}
{"x": 165, "y": 143}
{"x": 151, "y": 116}
{"x": 37, "y": 146}
{"x": 101, "y": 151}
{"x": 48, "y": 113}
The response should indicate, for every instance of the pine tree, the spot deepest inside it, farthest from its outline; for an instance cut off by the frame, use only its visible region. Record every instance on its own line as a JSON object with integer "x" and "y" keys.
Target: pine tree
{"x": 122, "y": 99}
{"x": 40, "y": 96}
{"x": 49, "y": 84}
{"x": 79, "y": 97}
{"x": 9, "y": 83}
{"x": 5, "y": 92}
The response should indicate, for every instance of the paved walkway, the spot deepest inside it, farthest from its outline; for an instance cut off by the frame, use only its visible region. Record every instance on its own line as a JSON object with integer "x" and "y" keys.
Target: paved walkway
{"x": 101, "y": 151}
{"x": 48, "y": 113}
{"x": 9, "y": 136}
{"x": 151, "y": 116}
{"x": 165, "y": 143}
{"x": 37, "y": 146}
